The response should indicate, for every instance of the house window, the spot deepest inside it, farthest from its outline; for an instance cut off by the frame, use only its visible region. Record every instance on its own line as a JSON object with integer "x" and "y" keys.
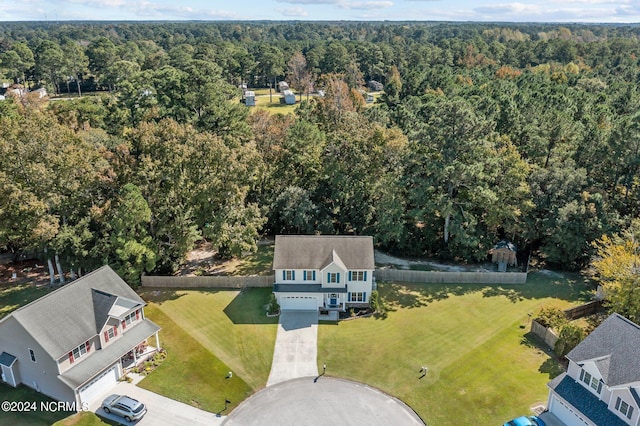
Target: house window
{"x": 130, "y": 318}
{"x": 589, "y": 380}
{"x": 111, "y": 333}
{"x": 624, "y": 408}
{"x": 357, "y": 297}
{"x": 309, "y": 275}
{"x": 288, "y": 275}
{"x": 333, "y": 278}
{"x": 80, "y": 351}
{"x": 357, "y": 276}
{"x": 32, "y": 355}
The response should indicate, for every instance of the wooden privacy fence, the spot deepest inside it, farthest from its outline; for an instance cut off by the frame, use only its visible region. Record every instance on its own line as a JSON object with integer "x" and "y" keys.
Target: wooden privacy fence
{"x": 583, "y": 310}
{"x": 409, "y": 276}
{"x": 207, "y": 282}
{"x": 546, "y": 334}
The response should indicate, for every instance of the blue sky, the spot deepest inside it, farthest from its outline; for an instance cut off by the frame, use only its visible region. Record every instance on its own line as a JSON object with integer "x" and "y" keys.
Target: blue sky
{"x": 437, "y": 10}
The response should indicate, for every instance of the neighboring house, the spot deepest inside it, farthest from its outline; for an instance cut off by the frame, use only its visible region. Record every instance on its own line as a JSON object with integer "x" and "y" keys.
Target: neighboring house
{"x": 602, "y": 384}
{"x": 74, "y": 343}
{"x": 323, "y": 272}
{"x": 375, "y": 86}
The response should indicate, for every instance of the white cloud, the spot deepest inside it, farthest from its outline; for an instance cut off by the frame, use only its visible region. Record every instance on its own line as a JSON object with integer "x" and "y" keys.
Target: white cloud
{"x": 292, "y": 12}
{"x": 365, "y": 5}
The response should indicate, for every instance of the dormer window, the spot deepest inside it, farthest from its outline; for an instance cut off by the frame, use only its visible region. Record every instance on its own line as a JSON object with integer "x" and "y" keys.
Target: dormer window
{"x": 624, "y": 408}
{"x": 591, "y": 381}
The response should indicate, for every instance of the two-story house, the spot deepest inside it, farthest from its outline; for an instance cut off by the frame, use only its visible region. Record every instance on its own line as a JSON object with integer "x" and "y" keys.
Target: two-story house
{"x": 70, "y": 344}
{"x": 323, "y": 272}
{"x": 602, "y": 383}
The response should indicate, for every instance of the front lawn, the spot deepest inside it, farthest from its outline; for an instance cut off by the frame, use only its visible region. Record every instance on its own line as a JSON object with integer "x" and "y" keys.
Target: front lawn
{"x": 191, "y": 373}
{"x": 34, "y": 414}
{"x": 484, "y": 368}
{"x": 226, "y": 326}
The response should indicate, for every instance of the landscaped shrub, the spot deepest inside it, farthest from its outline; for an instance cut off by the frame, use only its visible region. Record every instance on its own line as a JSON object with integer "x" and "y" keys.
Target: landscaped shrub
{"x": 570, "y": 336}
{"x": 274, "y": 308}
{"x": 552, "y": 317}
{"x": 374, "y": 301}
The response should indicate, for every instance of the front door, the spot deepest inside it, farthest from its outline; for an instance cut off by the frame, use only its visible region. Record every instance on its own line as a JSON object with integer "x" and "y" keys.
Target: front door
{"x": 333, "y": 299}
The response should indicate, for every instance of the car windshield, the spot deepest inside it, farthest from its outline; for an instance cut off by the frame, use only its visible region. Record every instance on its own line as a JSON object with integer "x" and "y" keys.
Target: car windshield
{"x": 138, "y": 408}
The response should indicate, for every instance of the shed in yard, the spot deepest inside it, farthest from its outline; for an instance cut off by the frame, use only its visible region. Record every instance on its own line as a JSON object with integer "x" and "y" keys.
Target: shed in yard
{"x": 504, "y": 253}
{"x": 250, "y": 98}
{"x": 288, "y": 97}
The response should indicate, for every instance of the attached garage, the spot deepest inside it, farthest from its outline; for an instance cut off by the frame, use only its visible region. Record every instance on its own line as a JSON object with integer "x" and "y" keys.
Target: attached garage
{"x": 298, "y": 303}
{"x": 566, "y": 413}
{"x": 99, "y": 385}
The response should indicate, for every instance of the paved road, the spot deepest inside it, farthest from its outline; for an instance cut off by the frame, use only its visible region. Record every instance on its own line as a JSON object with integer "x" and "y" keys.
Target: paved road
{"x": 296, "y": 349}
{"x": 321, "y": 402}
{"x": 160, "y": 410}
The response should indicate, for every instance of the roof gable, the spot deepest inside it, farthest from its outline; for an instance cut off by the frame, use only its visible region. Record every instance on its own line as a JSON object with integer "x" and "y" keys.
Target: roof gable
{"x": 71, "y": 315}
{"x": 318, "y": 251}
{"x": 614, "y": 346}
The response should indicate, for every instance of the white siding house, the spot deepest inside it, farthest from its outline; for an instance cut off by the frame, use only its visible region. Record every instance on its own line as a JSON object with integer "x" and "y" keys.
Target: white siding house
{"x": 602, "y": 384}
{"x": 323, "y": 272}
{"x": 74, "y": 344}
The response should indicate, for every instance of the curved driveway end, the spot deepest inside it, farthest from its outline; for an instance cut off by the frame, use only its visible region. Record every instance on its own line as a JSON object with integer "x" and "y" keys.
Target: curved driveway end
{"x": 319, "y": 401}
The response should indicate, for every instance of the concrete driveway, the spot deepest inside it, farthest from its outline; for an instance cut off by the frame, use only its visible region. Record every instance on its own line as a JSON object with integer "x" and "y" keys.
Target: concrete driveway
{"x": 296, "y": 349}
{"x": 325, "y": 401}
{"x": 160, "y": 410}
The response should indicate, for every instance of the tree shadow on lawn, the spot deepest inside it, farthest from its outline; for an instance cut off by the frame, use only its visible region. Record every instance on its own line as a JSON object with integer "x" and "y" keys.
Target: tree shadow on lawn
{"x": 570, "y": 286}
{"x": 552, "y": 366}
{"x": 249, "y": 307}
{"x": 161, "y": 295}
{"x": 411, "y": 295}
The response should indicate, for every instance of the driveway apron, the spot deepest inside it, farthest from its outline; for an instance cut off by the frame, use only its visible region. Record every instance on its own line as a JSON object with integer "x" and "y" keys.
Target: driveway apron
{"x": 296, "y": 350}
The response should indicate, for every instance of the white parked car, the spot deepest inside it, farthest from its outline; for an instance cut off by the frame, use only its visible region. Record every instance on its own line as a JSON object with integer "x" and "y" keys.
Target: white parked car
{"x": 124, "y": 406}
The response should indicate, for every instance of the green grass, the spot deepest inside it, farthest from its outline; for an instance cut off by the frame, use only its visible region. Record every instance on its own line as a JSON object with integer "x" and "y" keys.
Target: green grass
{"x": 14, "y": 296}
{"x": 228, "y": 325}
{"x": 85, "y": 418}
{"x": 484, "y": 367}
{"x": 191, "y": 373}
{"x": 34, "y": 416}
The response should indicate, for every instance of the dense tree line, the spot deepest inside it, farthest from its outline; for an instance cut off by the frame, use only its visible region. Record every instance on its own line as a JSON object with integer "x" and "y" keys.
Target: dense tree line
{"x": 485, "y": 131}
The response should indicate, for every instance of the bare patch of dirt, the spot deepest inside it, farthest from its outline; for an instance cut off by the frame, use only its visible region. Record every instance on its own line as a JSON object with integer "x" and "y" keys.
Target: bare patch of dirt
{"x": 25, "y": 271}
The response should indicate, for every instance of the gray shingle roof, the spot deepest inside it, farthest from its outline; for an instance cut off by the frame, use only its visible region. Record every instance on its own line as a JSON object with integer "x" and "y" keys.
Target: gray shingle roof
{"x": 67, "y": 317}
{"x": 101, "y": 359}
{"x": 615, "y": 347}
{"x": 314, "y": 251}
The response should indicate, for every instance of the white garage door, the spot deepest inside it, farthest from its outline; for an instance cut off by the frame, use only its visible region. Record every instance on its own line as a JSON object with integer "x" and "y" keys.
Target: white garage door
{"x": 299, "y": 303}
{"x": 99, "y": 385}
{"x": 567, "y": 414}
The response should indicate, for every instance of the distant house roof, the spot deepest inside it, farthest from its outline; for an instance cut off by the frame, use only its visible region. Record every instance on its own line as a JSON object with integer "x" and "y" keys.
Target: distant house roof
{"x": 615, "y": 348}
{"x": 317, "y": 251}
{"x": 375, "y": 85}
{"x": 69, "y": 316}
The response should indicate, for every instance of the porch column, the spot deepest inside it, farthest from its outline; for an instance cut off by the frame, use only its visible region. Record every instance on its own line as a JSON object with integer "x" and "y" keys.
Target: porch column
{"x": 157, "y": 342}
{"x": 135, "y": 357}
